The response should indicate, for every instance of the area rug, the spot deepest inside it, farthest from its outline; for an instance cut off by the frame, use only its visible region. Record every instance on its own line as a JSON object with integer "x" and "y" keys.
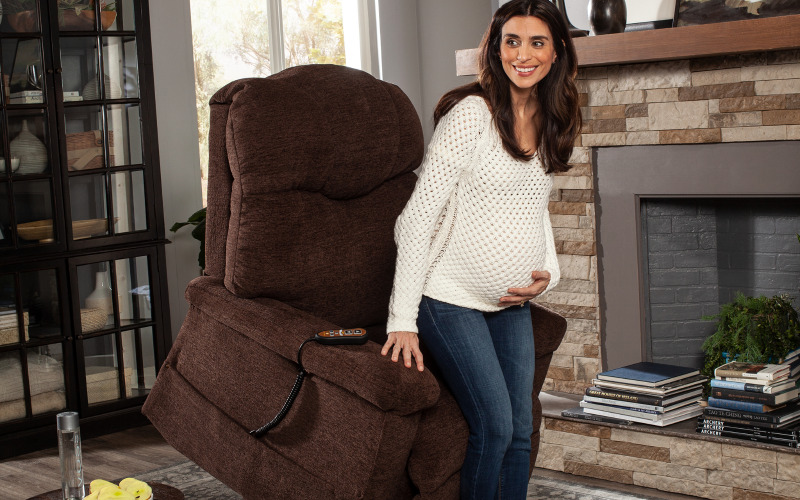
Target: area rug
{"x": 542, "y": 488}
{"x": 197, "y": 484}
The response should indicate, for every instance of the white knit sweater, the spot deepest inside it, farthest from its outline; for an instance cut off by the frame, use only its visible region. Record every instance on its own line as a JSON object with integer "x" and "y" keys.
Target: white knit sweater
{"x": 476, "y": 224}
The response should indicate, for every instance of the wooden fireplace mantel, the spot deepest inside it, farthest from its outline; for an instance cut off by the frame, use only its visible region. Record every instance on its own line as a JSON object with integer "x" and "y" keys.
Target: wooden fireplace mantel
{"x": 688, "y": 42}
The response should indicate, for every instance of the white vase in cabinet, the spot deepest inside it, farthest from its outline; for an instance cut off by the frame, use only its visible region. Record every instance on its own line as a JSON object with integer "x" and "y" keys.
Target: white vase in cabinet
{"x": 31, "y": 152}
{"x": 91, "y": 90}
{"x": 100, "y": 298}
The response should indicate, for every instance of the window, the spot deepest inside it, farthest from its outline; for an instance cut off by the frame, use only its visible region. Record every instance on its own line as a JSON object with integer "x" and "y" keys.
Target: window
{"x": 261, "y": 37}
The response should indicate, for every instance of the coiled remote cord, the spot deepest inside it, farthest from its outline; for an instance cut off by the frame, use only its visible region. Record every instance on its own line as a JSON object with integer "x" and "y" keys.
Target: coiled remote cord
{"x": 329, "y": 337}
{"x": 298, "y": 382}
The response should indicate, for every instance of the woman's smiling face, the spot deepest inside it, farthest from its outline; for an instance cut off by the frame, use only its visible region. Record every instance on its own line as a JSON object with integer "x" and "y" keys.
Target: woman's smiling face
{"x": 527, "y": 50}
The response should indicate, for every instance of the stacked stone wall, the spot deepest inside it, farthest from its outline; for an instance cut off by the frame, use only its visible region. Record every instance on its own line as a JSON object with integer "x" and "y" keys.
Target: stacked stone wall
{"x": 704, "y": 468}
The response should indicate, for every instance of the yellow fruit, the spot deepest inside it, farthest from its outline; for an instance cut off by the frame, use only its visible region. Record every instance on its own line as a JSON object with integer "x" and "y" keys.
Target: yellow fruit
{"x": 145, "y": 493}
{"x": 98, "y": 484}
{"x": 115, "y": 494}
{"x": 128, "y": 481}
{"x": 92, "y": 496}
{"x": 138, "y": 489}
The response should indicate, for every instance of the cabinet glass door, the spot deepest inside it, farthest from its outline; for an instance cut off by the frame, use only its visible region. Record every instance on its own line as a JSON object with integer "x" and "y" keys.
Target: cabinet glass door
{"x": 26, "y": 165}
{"x": 103, "y": 123}
{"x": 118, "y": 335}
{"x": 31, "y": 350}
{"x": 23, "y": 71}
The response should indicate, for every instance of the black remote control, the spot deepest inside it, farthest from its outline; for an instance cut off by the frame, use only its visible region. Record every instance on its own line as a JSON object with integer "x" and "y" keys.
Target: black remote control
{"x": 342, "y": 337}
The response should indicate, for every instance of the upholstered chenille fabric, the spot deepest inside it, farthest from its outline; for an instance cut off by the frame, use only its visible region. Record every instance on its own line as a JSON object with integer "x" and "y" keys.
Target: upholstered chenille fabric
{"x": 477, "y": 223}
{"x": 308, "y": 170}
{"x": 306, "y": 177}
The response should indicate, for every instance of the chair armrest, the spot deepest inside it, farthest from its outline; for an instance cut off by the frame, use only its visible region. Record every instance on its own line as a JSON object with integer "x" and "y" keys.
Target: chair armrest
{"x": 280, "y": 328}
{"x": 549, "y": 328}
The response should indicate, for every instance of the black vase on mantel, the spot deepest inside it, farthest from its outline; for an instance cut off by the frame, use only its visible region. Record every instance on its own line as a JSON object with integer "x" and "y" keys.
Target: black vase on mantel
{"x": 573, "y": 31}
{"x": 607, "y": 16}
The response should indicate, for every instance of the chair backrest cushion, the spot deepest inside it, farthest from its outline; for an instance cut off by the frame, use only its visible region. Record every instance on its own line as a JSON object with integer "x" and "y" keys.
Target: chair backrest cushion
{"x": 316, "y": 165}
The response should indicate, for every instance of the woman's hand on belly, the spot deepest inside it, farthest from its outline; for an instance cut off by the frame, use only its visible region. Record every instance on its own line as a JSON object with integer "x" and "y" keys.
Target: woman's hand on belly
{"x": 518, "y": 296}
{"x": 405, "y": 344}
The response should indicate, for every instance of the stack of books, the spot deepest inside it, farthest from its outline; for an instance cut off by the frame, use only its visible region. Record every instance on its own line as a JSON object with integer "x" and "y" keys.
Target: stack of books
{"x": 760, "y": 402}
{"x": 36, "y": 97}
{"x": 792, "y": 360}
{"x": 788, "y": 435}
{"x": 648, "y": 393}
{"x": 26, "y": 97}
{"x": 72, "y": 95}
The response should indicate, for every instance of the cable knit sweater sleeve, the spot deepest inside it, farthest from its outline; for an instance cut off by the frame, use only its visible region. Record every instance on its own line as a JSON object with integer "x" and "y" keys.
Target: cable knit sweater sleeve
{"x": 551, "y": 258}
{"x": 449, "y": 154}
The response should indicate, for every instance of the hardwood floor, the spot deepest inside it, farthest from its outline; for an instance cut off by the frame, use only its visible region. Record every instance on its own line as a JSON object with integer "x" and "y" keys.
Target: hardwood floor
{"x": 142, "y": 449}
{"x": 113, "y": 456}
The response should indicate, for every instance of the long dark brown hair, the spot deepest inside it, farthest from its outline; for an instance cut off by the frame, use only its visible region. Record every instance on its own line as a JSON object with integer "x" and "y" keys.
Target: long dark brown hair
{"x": 557, "y": 93}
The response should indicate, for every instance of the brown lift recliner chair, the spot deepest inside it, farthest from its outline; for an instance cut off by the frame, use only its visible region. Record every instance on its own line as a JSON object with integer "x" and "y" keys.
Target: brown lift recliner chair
{"x": 309, "y": 169}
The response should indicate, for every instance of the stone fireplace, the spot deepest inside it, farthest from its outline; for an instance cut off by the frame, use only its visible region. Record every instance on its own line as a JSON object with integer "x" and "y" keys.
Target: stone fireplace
{"x": 643, "y": 124}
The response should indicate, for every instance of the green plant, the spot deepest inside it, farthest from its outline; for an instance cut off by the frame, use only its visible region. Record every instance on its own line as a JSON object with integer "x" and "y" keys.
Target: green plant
{"x": 752, "y": 330}
{"x": 198, "y": 220}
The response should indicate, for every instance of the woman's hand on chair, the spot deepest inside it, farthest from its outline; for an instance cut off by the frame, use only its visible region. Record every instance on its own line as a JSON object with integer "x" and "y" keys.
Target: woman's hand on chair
{"x": 404, "y": 344}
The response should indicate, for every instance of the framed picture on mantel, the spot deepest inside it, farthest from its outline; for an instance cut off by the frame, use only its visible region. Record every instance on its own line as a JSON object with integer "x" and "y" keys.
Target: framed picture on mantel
{"x": 694, "y": 12}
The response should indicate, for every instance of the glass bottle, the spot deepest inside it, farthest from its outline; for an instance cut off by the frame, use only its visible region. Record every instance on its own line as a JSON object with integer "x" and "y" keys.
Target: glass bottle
{"x": 69, "y": 454}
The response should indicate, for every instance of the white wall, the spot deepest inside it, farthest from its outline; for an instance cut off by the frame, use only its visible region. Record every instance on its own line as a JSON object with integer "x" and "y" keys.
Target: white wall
{"x": 399, "y": 47}
{"x": 418, "y": 40}
{"x": 445, "y": 26}
{"x": 173, "y": 69}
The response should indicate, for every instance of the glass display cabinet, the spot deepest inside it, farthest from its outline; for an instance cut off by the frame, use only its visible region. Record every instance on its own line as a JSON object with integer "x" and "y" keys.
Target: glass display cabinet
{"x": 83, "y": 317}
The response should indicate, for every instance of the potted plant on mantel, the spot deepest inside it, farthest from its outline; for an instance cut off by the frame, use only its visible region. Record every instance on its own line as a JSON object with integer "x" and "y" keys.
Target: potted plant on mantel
{"x": 752, "y": 330}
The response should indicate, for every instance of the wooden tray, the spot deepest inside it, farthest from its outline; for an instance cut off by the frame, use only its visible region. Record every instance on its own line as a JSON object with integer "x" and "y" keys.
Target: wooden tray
{"x": 42, "y": 230}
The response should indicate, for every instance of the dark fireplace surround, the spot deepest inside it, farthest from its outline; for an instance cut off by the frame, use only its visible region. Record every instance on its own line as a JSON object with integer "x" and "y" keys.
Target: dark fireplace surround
{"x": 626, "y": 177}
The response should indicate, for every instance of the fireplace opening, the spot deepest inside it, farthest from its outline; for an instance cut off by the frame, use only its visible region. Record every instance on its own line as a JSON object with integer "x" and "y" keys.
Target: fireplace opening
{"x": 698, "y": 253}
{"x": 738, "y": 190}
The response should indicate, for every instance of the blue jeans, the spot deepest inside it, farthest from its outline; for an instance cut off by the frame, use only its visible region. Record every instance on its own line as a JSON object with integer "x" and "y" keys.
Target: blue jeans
{"x": 487, "y": 361}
